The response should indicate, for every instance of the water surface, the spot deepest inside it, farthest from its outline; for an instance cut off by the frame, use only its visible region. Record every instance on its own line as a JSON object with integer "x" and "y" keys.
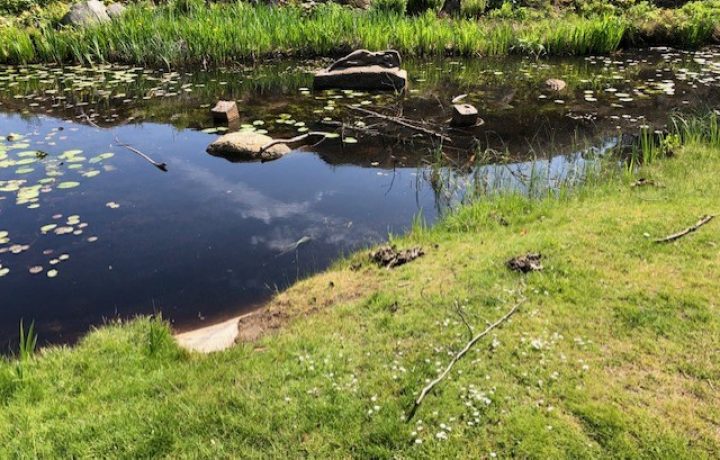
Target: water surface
{"x": 212, "y": 238}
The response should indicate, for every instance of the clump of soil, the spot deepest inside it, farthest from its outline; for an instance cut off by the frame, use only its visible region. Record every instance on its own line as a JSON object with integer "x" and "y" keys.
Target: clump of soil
{"x": 389, "y": 256}
{"x": 530, "y": 262}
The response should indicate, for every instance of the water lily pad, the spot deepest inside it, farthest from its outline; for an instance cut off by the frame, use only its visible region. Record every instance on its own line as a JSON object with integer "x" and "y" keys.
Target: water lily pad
{"x": 101, "y": 157}
{"x": 52, "y": 273}
{"x": 67, "y": 185}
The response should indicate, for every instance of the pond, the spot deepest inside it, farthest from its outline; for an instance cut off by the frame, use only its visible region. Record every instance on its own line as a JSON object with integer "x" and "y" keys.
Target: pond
{"x": 90, "y": 232}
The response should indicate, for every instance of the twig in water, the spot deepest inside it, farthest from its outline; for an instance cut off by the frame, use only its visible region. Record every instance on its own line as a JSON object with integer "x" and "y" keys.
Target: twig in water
{"x": 402, "y": 122}
{"x": 425, "y": 391}
{"x": 676, "y": 236}
{"x": 293, "y": 140}
{"x": 160, "y": 166}
{"x": 89, "y": 120}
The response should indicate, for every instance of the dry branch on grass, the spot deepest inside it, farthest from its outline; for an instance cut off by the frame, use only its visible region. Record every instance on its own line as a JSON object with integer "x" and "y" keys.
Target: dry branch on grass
{"x": 676, "y": 236}
{"x": 425, "y": 391}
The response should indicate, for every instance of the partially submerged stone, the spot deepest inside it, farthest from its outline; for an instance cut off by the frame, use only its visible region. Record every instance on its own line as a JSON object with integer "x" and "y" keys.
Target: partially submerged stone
{"x": 246, "y": 146}
{"x": 555, "y": 84}
{"x": 86, "y": 13}
{"x": 464, "y": 115}
{"x": 363, "y": 58}
{"x": 226, "y": 111}
{"x": 211, "y": 338}
{"x": 364, "y": 70}
{"x": 373, "y": 77}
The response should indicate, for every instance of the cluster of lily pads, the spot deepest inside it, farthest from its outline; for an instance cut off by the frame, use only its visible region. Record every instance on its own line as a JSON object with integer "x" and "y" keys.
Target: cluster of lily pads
{"x": 27, "y": 174}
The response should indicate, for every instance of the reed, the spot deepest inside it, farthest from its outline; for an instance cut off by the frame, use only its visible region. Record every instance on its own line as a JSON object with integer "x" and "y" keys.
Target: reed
{"x": 179, "y": 35}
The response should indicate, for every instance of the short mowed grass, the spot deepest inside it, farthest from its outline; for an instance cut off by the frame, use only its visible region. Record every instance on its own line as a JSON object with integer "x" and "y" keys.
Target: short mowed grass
{"x": 615, "y": 351}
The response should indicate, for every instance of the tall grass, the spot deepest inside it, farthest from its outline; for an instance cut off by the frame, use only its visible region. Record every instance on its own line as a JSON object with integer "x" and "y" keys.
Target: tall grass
{"x": 224, "y": 34}
{"x": 26, "y": 348}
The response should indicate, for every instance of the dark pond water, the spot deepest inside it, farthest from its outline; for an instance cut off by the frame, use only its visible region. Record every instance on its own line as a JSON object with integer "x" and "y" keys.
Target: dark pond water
{"x": 90, "y": 232}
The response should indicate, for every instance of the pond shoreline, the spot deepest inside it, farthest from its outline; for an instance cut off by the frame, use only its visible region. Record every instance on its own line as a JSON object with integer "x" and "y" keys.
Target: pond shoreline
{"x": 609, "y": 310}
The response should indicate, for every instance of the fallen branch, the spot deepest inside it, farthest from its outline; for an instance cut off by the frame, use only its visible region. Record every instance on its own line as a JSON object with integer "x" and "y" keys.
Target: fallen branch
{"x": 293, "y": 140}
{"x": 158, "y": 165}
{"x": 676, "y": 236}
{"x": 402, "y": 122}
{"x": 425, "y": 391}
{"x": 461, "y": 314}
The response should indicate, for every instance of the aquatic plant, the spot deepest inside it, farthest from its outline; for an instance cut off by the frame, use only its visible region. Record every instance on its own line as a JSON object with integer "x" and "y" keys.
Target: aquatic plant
{"x": 179, "y": 34}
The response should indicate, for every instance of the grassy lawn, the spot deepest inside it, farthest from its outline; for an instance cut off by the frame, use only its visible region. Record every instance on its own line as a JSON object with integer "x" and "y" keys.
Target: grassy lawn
{"x": 614, "y": 353}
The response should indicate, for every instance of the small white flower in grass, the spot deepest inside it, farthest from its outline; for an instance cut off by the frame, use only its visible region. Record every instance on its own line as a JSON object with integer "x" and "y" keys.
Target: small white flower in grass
{"x": 493, "y": 454}
{"x": 418, "y": 441}
{"x": 441, "y": 435}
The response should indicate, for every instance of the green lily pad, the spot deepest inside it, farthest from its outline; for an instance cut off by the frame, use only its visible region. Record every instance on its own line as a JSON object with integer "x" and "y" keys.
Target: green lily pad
{"x": 67, "y": 185}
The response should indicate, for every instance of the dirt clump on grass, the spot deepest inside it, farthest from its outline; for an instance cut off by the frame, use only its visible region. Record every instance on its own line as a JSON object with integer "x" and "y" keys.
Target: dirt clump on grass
{"x": 390, "y": 257}
{"x": 530, "y": 262}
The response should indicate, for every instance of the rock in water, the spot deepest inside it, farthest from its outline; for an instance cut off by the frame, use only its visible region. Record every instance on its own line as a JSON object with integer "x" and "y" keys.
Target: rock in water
{"x": 225, "y": 111}
{"x": 364, "y": 70}
{"x": 555, "y": 84}
{"x": 464, "y": 115}
{"x": 86, "y": 13}
{"x": 246, "y": 146}
{"x": 362, "y": 78}
{"x": 364, "y": 58}
{"x": 115, "y": 10}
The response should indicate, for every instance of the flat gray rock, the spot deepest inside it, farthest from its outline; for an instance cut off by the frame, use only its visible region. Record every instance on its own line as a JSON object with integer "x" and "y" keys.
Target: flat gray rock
{"x": 246, "y": 146}
{"x": 373, "y": 77}
{"x": 86, "y": 14}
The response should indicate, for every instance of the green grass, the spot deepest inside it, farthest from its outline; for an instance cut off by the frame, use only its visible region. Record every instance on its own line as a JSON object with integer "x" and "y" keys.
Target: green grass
{"x": 225, "y": 34}
{"x": 613, "y": 355}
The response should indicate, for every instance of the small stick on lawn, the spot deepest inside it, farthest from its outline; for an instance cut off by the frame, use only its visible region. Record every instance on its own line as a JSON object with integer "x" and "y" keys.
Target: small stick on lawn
{"x": 676, "y": 236}
{"x": 425, "y": 391}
